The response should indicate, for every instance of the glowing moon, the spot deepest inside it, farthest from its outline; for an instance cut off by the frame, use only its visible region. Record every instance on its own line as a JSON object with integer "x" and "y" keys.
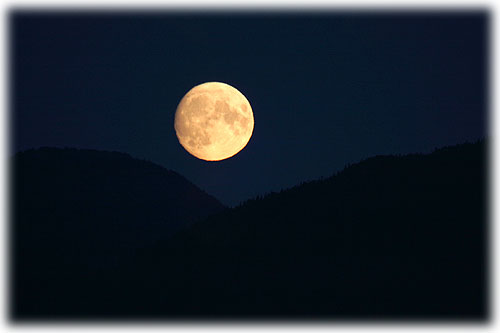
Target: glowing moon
{"x": 214, "y": 121}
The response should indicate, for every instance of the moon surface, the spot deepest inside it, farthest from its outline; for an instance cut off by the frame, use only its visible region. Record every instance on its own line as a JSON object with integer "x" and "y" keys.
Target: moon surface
{"x": 214, "y": 121}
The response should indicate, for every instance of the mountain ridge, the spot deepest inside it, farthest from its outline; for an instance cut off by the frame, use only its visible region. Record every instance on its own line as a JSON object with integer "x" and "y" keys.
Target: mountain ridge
{"x": 105, "y": 203}
{"x": 360, "y": 233}
{"x": 438, "y": 150}
{"x": 390, "y": 237}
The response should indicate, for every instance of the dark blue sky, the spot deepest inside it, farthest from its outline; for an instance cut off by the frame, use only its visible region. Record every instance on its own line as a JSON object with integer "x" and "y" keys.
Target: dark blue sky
{"x": 326, "y": 89}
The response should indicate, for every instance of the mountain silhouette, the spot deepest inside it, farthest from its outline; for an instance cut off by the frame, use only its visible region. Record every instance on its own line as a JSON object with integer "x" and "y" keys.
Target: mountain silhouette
{"x": 82, "y": 213}
{"x": 391, "y": 237}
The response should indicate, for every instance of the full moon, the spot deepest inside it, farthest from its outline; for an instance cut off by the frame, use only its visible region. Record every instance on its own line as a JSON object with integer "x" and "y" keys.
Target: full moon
{"x": 214, "y": 121}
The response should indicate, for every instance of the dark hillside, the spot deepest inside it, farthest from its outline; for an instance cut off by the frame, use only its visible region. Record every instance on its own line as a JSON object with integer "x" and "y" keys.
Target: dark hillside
{"x": 79, "y": 215}
{"x": 392, "y": 237}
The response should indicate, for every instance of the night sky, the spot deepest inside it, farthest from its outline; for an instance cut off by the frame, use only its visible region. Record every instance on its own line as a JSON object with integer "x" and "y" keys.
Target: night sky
{"x": 327, "y": 89}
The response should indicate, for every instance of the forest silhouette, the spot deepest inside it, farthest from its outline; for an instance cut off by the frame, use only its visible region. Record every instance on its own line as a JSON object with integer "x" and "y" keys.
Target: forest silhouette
{"x": 103, "y": 236}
